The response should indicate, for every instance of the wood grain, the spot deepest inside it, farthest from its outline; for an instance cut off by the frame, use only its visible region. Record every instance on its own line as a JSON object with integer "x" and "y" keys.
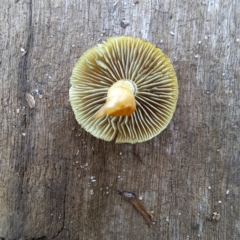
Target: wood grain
{"x": 184, "y": 174}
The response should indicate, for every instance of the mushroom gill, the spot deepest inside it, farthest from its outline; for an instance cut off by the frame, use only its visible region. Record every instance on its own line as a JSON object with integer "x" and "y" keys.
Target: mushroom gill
{"x": 124, "y": 89}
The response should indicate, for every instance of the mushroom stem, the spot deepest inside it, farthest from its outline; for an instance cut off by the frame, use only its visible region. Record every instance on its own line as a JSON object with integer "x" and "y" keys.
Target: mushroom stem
{"x": 120, "y": 100}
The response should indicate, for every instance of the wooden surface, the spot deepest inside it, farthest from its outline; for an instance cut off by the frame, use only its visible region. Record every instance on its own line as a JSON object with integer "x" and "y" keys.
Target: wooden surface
{"x": 183, "y": 175}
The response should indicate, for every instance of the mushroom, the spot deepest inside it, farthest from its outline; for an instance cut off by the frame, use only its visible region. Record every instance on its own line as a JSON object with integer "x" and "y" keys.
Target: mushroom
{"x": 124, "y": 89}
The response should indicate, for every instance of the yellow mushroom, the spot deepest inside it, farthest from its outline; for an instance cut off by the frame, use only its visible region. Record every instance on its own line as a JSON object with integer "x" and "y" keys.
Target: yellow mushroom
{"x": 124, "y": 89}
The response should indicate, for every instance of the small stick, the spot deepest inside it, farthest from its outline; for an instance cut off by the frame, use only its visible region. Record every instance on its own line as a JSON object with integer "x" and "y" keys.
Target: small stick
{"x": 133, "y": 199}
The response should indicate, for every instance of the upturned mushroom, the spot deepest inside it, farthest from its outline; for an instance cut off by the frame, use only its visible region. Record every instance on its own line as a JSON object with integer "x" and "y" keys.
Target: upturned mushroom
{"x": 124, "y": 89}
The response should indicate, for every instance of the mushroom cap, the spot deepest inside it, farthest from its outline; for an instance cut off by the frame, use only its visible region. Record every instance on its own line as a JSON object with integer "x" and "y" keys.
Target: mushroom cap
{"x": 124, "y": 58}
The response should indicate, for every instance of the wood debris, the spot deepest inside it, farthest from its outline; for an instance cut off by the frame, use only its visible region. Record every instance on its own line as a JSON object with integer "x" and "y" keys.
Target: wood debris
{"x": 115, "y": 3}
{"x": 124, "y": 24}
{"x": 216, "y": 216}
{"x": 30, "y": 100}
{"x": 134, "y": 200}
{"x": 24, "y": 53}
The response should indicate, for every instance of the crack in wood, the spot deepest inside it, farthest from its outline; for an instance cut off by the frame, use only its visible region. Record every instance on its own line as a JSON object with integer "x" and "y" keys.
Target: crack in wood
{"x": 64, "y": 210}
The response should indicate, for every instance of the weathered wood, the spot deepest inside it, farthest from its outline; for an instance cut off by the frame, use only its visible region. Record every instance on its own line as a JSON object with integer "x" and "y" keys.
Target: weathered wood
{"x": 184, "y": 175}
